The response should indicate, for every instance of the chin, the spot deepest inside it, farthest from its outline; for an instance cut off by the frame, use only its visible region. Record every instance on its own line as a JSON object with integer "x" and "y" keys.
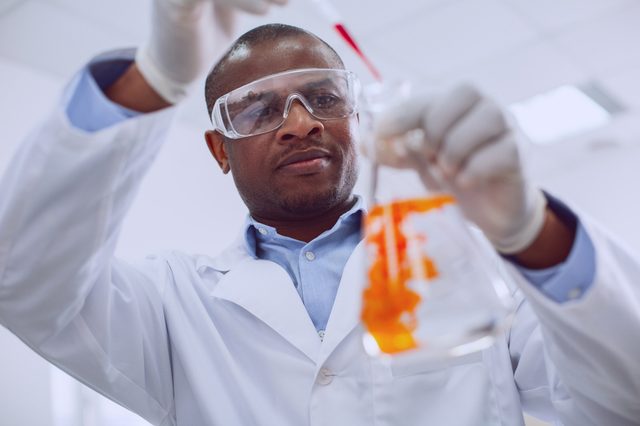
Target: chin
{"x": 318, "y": 199}
{"x": 312, "y": 202}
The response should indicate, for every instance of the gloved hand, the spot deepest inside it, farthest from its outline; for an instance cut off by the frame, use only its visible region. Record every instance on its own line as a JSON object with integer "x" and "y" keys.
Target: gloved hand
{"x": 460, "y": 142}
{"x": 186, "y": 37}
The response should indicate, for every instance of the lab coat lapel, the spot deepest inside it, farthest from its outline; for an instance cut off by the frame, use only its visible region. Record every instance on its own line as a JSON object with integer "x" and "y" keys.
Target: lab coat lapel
{"x": 265, "y": 290}
{"x": 345, "y": 315}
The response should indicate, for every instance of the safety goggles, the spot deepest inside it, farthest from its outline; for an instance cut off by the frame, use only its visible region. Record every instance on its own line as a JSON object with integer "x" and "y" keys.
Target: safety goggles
{"x": 263, "y": 105}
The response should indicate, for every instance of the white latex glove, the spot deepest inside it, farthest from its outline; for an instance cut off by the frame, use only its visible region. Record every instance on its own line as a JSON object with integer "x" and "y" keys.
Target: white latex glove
{"x": 459, "y": 141}
{"x": 186, "y": 38}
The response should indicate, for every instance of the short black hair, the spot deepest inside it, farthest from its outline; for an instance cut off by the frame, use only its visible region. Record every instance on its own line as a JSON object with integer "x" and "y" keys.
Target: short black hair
{"x": 251, "y": 38}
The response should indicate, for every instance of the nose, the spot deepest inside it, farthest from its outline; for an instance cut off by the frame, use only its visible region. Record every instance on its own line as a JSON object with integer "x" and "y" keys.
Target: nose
{"x": 299, "y": 124}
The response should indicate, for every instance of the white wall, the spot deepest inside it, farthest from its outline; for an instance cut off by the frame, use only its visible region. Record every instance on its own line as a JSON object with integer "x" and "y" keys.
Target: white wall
{"x": 598, "y": 174}
{"x": 24, "y": 384}
{"x": 24, "y": 376}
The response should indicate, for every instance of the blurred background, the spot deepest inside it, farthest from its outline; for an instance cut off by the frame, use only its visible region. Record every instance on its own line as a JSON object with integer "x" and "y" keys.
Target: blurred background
{"x": 567, "y": 69}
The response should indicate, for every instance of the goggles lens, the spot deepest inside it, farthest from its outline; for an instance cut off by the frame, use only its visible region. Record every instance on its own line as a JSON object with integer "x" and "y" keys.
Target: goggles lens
{"x": 263, "y": 105}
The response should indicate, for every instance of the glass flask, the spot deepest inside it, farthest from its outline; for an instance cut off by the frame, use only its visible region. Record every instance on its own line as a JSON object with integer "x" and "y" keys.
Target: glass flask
{"x": 435, "y": 286}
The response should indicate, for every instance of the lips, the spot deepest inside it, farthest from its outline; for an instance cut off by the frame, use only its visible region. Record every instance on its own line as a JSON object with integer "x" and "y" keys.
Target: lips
{"x": 305, "y": 163}
{"x": 302, "y": 157}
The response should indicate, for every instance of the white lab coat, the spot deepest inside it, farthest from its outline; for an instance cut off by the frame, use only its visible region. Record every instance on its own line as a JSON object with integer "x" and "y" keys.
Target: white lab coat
{"x": 194, "y": 340}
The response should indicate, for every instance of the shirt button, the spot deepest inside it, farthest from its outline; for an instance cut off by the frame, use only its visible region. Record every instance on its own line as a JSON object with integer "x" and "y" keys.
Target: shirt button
{"x": 263, "y": 231}
{"x": 310, "y": 256}
{"x": 574, "y": 293}
{"x": 325, "y": 376}
{"x": 321, "y": 334}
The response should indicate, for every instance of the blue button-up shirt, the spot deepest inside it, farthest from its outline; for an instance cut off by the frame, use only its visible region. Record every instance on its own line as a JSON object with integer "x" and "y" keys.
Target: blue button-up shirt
{"x": 316, "y": 267}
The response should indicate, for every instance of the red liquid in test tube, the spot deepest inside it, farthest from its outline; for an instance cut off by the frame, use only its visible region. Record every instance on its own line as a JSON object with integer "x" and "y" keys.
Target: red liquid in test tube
{"x": 346, "y": 36}
{"x": 329, "y": 11}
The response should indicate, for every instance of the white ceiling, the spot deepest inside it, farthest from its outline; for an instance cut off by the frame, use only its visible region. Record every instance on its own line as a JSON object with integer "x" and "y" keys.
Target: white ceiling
{"x": 511, "y": 48}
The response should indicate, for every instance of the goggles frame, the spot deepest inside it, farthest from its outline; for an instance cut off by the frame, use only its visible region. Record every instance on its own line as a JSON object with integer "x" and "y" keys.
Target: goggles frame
{"x": 228, "y": 130}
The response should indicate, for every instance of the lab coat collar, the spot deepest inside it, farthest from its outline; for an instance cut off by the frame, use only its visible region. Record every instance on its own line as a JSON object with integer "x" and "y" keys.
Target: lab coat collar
{"x": 226, "y": 260}
{"x": 266, "y": 291}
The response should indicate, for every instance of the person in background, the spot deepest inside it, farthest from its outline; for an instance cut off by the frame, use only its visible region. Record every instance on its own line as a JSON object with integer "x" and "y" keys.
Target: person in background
{"x": 267, "y": 333}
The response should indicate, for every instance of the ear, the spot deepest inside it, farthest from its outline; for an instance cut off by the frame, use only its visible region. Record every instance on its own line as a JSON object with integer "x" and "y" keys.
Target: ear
{"x": 215, "y": 143}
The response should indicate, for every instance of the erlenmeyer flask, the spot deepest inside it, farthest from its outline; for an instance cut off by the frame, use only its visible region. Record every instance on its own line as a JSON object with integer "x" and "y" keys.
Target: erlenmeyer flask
{"x": 434, "y": 284}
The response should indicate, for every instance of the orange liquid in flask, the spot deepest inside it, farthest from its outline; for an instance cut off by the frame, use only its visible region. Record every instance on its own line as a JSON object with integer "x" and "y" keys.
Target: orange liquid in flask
{"x": 396, "y": 260}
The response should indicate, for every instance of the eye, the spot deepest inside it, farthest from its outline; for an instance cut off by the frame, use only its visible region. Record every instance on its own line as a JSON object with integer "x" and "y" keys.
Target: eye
{"x": 325, "y": 100}
{"x": 266, "y": 109}
{"x": 259, "y": 111}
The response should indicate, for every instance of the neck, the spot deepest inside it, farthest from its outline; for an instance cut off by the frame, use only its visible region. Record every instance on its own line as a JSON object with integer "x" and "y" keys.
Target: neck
{"x": 308, "y": 227}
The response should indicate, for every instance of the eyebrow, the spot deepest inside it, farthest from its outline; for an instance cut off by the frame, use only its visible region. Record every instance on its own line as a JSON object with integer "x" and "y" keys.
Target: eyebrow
{"x": 319, "y": 83}
{"x": 253, "y": 96}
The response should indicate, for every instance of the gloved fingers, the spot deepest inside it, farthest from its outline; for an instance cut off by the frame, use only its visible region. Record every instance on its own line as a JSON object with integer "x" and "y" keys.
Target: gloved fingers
{"x": 400, "y": 117}
{"x": 481, "y": 124}
{"x": 402, "y": 152}
{"x": 256, "y": 7}
{"x": 390, "y": 151}
{"x": 183, "y": 3}
{"x": 495, "y": 161}
{"x": 439, "y": 118}
{"x": 398, "y": 135}
{"x": 225, "y": 18}
{"x": 445, "y": 111}
{"x": 431, "y": 177}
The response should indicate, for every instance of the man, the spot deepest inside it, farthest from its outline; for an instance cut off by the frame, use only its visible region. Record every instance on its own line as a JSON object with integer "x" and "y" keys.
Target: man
{"x": 267, "y": 332}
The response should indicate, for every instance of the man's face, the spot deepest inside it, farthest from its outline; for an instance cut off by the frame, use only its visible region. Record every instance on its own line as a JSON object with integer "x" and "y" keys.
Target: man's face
{"x": 307, "y": 166}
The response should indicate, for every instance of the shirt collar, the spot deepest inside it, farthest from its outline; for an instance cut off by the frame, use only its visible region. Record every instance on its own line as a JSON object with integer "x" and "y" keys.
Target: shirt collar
{"x": 255, "y": 232}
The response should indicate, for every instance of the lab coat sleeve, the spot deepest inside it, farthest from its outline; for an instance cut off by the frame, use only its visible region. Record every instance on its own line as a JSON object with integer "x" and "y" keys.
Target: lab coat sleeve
{"x": 63, "y": 199}
{"x": 577, "y": 361}
{"x": 88, "y": 108}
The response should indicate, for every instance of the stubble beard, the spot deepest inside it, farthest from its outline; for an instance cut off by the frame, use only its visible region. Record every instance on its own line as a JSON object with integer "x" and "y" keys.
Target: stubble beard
{"x": 315, "y": 203}
{"x": 309, "y": 204}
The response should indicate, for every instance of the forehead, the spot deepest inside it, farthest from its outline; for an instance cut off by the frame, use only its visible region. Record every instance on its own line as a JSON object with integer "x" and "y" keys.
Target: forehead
{"x": 249, "y": 63}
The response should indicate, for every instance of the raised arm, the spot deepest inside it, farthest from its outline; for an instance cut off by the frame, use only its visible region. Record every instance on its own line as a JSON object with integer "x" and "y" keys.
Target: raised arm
{"x": 64, "y": 197}
{"x": 132, "y": 91}
{"x": 186, "y": 38}
{"x": 576, "y": 338}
